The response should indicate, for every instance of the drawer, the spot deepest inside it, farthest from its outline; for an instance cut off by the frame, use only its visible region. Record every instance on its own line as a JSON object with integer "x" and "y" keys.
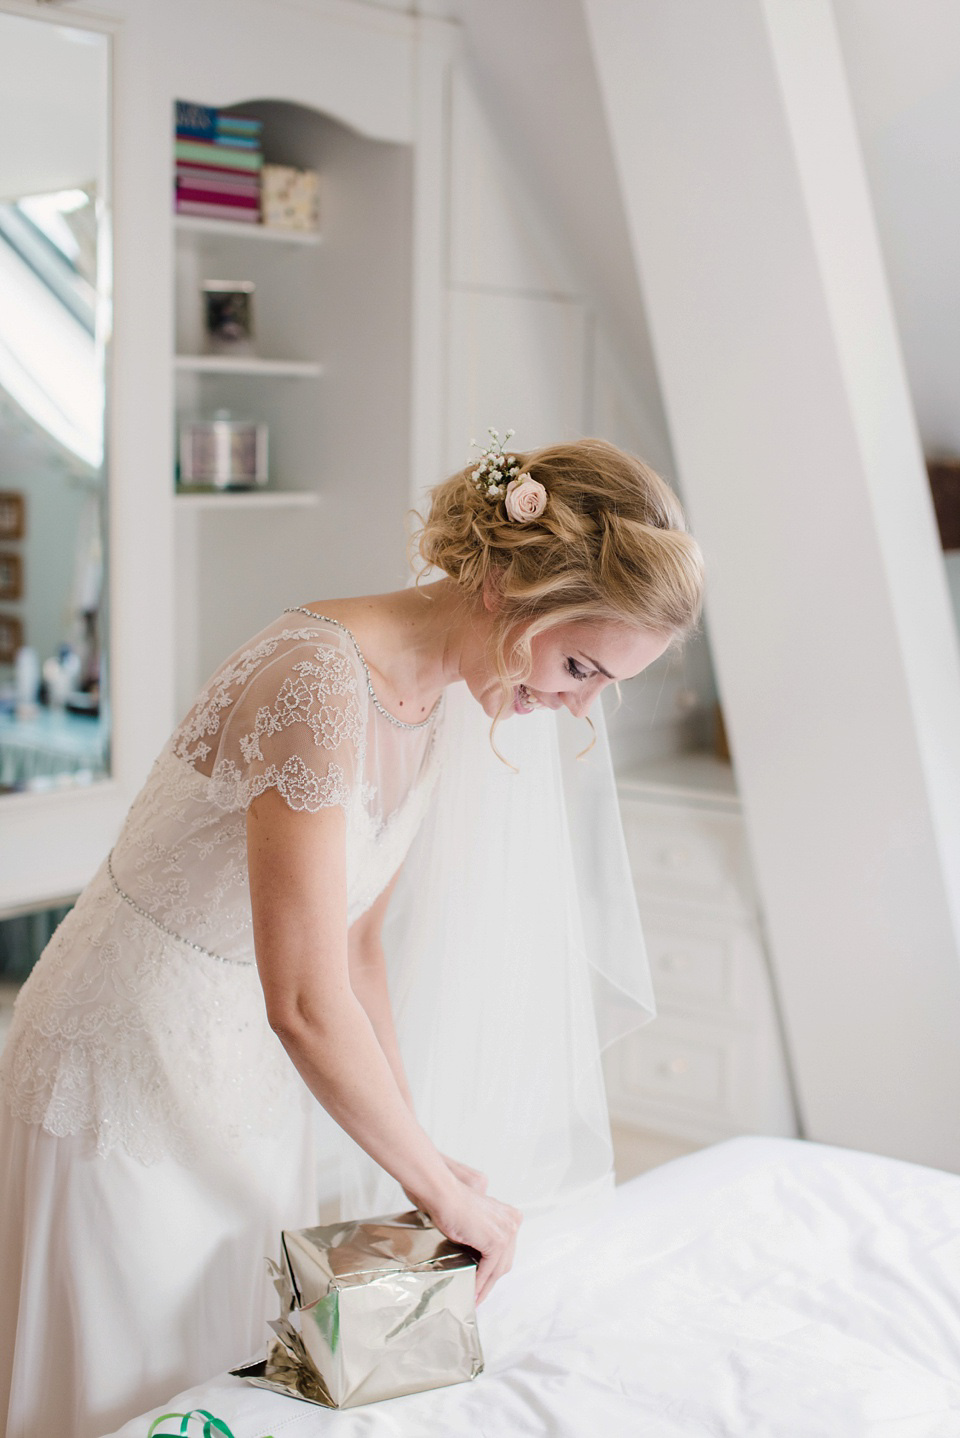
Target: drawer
{"x": 681, "y": 1073}
{"x": 688, "y": 856}
{"x": 690, "y": 967}
{"x": 677, "y": 1069}
{"x": 714, "y": 966}
{"x": 701, "y": 1080}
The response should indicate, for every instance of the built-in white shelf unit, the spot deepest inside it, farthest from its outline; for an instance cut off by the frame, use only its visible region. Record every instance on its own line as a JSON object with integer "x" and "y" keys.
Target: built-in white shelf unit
{"x": 248, "y": 365}
{"x": 329, "y": 376}
{"x": 230, "y": 230}
{"x": 248, "y": 499}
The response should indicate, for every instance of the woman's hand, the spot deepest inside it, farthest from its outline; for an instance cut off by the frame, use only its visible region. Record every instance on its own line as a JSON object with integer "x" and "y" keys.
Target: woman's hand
{"x": 472, "y": 1177}
{"x": 483, "y": 1223}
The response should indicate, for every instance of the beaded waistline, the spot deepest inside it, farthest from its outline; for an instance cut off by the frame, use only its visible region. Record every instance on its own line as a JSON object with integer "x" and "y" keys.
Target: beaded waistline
{"x": 207, "y": 953}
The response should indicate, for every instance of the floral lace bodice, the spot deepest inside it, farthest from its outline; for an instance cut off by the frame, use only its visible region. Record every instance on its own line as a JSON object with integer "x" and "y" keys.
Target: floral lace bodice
{"x": 147, "y": 995}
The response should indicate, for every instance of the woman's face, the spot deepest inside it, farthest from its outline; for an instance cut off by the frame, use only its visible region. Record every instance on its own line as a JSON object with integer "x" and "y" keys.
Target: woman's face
{"x": 574, "y": 662}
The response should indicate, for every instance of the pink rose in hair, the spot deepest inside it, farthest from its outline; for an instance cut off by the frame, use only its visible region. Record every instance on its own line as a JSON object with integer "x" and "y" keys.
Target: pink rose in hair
{"x": 525, "y": 499}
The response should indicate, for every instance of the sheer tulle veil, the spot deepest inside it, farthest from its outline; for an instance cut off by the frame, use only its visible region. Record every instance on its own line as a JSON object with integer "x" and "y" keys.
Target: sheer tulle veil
{"x": 515, "y": 956}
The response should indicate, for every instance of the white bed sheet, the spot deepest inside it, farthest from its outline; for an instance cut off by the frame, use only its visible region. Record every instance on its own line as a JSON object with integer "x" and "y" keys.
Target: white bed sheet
{"x": 760, "y": 1287}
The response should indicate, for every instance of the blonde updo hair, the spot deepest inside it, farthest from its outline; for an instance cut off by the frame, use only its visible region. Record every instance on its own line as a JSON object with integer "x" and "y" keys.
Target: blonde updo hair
{"x": 611, "y": 545}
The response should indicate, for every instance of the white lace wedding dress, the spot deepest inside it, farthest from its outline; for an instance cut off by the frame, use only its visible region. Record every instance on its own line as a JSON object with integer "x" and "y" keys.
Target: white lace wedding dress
{"x": 154, "y": 1136}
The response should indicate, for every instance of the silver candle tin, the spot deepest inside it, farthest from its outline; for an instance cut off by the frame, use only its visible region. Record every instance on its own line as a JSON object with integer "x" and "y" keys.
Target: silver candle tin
{"x": 223, "y": 453}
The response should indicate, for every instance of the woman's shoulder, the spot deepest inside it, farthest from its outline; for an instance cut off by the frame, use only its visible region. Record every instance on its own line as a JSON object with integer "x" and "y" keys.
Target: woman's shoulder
{"x": 296, "y": 637}
{"x": 299, "y": 663}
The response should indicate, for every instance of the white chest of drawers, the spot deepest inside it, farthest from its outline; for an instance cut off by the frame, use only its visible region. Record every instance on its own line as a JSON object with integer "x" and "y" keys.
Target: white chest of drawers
{"x": 712, "y": 1064}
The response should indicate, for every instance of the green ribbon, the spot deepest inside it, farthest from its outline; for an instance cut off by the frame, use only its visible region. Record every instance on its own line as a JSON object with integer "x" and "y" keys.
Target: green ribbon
{"x": 211, "y": 1425}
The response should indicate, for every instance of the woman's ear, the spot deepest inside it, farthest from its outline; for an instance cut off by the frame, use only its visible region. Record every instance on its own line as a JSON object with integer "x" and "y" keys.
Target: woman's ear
{"x": 491, "y": 592}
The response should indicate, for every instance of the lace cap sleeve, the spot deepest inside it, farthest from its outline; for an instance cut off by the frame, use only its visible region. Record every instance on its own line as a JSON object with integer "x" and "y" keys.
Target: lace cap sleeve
{"x": 287, "y": 715}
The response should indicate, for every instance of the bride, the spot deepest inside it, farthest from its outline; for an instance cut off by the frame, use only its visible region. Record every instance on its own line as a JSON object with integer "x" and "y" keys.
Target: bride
{"x": 223, "y": 974}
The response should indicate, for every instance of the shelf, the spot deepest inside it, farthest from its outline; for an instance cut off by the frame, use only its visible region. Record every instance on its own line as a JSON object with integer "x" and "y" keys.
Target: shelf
{"x": 697, "y": 777}
{"x": 248, "y": 499}
{"x": 247, "y": 364}
{"x": 232, "y": 229}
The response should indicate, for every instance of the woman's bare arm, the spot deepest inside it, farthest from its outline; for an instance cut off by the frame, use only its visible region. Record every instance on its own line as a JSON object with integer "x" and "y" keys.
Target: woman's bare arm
{"x": 368, "y": 979}
{"x": 297, "y": 867}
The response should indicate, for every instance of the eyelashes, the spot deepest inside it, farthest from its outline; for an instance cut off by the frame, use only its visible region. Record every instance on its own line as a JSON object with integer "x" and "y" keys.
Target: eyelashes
{"x": 575, "y": 671}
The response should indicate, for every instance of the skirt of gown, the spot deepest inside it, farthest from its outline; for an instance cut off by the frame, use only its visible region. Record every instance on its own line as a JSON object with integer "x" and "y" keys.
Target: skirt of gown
{"x": 122, "y": 1283}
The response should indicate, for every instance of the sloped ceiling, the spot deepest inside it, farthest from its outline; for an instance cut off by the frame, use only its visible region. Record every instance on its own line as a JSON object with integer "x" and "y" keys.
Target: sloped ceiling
{"x": 897, "y": 55}
{"x": 535, "y": 75}
{"x": 903, "y": 63}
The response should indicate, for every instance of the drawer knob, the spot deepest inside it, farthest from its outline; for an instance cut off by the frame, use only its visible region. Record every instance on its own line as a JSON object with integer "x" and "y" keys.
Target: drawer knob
{"x": 673, "y": 1068}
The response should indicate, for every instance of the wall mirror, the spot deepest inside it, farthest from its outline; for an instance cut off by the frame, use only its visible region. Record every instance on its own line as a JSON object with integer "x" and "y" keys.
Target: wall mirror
{"x": 55, "y": 284}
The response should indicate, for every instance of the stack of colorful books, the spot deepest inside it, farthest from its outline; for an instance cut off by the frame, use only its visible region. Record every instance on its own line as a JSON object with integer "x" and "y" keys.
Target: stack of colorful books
{"x": 218, "y": 163}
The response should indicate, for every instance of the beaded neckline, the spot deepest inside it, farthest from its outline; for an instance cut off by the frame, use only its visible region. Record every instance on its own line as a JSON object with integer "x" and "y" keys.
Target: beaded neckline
{"x": 400, "y": 723}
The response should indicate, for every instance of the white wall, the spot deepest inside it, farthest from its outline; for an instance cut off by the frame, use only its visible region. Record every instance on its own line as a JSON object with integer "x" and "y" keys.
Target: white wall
{"x": 518, "y": 327}
{"x": 534, "y": 71}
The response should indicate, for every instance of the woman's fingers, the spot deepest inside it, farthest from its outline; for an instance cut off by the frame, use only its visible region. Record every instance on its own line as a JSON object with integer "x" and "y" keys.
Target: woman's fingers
{"x": 486, "y": 1225}
{"x": 495, "y": 1268}
{"x": 484, "y": 1271}
{"x": 498, "y": 1259}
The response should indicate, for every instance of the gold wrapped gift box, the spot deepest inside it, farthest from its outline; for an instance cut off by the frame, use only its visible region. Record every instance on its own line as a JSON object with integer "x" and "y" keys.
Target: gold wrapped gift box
{"x": 370, "y": 1310}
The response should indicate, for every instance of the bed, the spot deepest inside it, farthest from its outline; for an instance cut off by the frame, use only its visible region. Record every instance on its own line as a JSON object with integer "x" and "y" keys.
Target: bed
{"x": 760, "y": 1287}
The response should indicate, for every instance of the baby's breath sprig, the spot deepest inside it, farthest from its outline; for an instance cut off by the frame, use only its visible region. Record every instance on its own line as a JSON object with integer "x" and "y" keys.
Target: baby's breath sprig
{"x": 495, "y": 468}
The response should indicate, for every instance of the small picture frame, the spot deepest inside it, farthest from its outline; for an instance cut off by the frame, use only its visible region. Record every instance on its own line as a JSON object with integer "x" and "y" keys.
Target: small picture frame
{"x": 13, "y": 514}
{"x": 11, "y": 638}
{"x": 228, "y": 315}
{"x": 11, "y": 576}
